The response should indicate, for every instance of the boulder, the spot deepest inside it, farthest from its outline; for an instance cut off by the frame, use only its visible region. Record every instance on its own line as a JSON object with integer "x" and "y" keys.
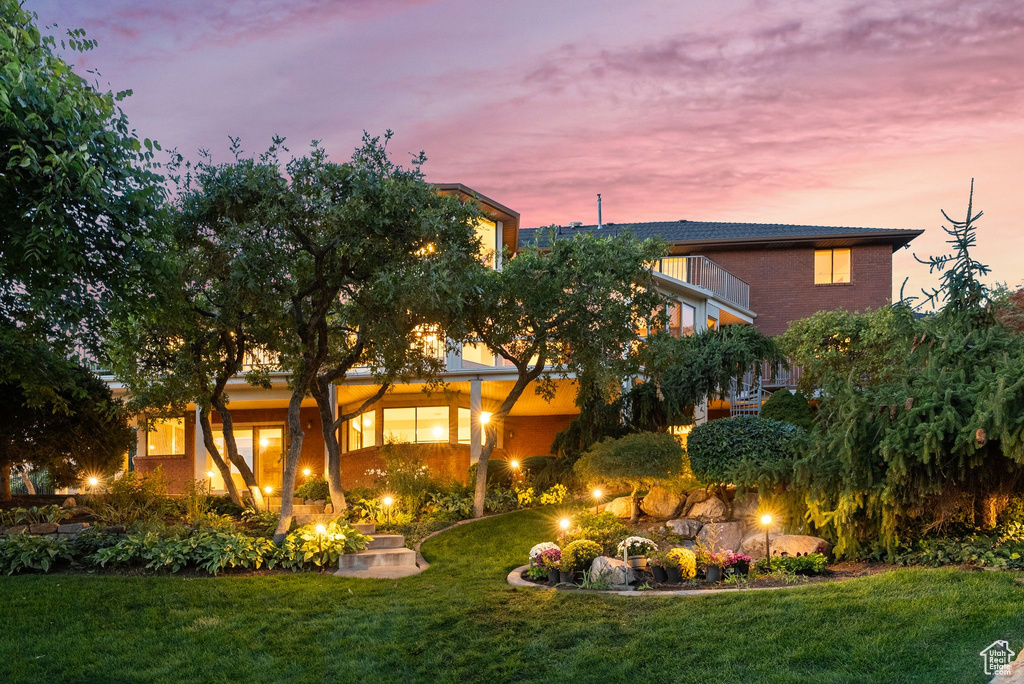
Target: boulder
{"x": 721, "y": 536}
{"x": 621, "y": 507}
{"x": 661, "y": 504}
{"x": 613, "y": 569}
{"x": 69, "y": 503}
{"x": 708, "y": 510}
{"x": 72, "y": 528}
{"x": 328, "y": 508}
{"x": 745, "y": 506}
{"x": 788, "y": 544}
{"x": 43, "y": 528}
{"x": 693, "y": 498}
{"x": 686, "y": 528}
{"x": 17, "y": 529}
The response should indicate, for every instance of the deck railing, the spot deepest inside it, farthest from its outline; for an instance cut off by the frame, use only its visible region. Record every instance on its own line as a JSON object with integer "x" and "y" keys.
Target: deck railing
{"x": 705, "y": 273}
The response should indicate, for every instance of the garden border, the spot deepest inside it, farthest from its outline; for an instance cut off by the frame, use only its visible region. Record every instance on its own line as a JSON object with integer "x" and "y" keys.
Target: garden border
{"x": 515, "y": 579}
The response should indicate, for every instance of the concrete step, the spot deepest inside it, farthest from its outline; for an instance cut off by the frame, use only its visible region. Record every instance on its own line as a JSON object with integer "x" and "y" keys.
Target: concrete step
{"x": 378, "y": 557}
{"x": 365, "y": 528}
{"x": 386, "y": 541}
{"x": 312, "y": 518}
{"x": 299, "y": 509}
{"x": 381, "y": 572}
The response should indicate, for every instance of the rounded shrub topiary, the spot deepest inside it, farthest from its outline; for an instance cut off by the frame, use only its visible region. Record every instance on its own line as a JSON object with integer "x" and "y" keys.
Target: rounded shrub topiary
{"x": 789, "y": 407}
{"x": 578, "y": 555}
{"x": 745, "y": 451}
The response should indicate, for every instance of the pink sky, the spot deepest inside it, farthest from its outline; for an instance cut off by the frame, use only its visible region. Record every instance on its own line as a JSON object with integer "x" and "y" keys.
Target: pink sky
{"x": 837, "y": 113}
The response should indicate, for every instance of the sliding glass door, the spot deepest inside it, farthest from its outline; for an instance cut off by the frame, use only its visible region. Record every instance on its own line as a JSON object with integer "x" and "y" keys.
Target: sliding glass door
{"x": 261, "y": 447}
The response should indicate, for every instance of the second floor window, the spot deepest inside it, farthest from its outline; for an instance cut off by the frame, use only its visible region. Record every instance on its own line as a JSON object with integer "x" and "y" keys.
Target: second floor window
{"x": 831, "y": 266}
{"x": 681, "y": 319}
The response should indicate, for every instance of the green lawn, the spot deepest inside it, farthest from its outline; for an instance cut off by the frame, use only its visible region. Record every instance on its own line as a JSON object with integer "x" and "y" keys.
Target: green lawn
{"x": 460, "y": 621}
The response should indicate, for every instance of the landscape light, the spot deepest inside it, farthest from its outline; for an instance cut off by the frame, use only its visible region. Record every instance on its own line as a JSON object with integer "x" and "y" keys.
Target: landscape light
{"x": 597, "y": 494}
{"x": 766, "y": 520}
{"x": 514, "y": 464}
{"x": 209, "y": 474}
{"x": 306, "y": 472}
{"x": 93, "y": 481}
{"x": 485, "y": 417}
{"x": 564, "y": 523}
{"x": 320, "y": 529}
{"x": 387, "y": 501}
{"x": 268, "y": 489}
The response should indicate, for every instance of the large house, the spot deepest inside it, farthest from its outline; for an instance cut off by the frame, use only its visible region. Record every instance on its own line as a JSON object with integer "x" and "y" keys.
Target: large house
{"x": 716, "y": 274}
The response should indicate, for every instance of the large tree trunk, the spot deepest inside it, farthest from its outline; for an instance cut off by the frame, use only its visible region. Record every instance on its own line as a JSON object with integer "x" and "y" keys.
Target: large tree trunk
{"x": 29, "y": 487}
{"x": 322, "y": 395}
{"x": 218, "y": 460}
{"x": 5, "y": 482}
{"x": 228, "y": 428}
{"x": 295, "y": 436}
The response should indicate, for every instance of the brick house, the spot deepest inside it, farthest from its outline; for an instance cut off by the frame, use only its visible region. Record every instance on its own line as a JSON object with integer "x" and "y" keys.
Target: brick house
{"x": 715, "y": 274}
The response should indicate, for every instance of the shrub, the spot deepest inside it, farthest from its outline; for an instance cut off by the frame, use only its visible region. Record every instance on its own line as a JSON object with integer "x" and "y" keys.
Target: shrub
{"x": 194, "y": 504}
{"x": 33, "y": 514}
{"x": 555, "y": 495}
{"x": 261, "y": 522}
{"x": 807, "y": 564}
{"x": 789, "y": 407}
{"x": 744, "y": 451}
{"x": 636, "y": 461}
{"x": 223, "y": 505}
{"x": 579, "y": 554}
{"x": 500, "y": 501}
{"x": 603, "y": 528}
{"x": 450, "y": 506}
{"x": 21, "y": 552}
{"x": 315, "y": 488}
{"x": 685, "y": 560}
{"x": 131, "y": 498}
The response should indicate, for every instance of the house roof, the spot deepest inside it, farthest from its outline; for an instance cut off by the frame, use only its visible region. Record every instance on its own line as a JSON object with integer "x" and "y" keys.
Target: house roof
{"x": 686, "y": 232}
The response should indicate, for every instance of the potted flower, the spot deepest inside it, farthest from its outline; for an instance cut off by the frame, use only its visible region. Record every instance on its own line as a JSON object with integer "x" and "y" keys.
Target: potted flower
{"x": 715, "y": 564}
{"x": 636, "y": 549}
{"x": 656, "y": 563}
{"x": 539, "y": 548}
{"x": 739, "y": 563}
{"x": 550, "y": 560}
{"x": 680, "y": 564}
{"x": 577, "y": 557}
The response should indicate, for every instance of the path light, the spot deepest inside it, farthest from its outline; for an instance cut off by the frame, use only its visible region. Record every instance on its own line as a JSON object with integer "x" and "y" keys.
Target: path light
{"x": 320, "y": 529}
{"x": 597, "y": 494}
{"x": 564, "y": 523}
{"x": 93, "y": 481}
{"x": 766, "y": 520}
{"x": 514, "y": 464}
{"x": 306, "y": 472}
{"x": 209, "y": 474}
{"x": 268, "y": 490}
{"x": 386, "y": 502}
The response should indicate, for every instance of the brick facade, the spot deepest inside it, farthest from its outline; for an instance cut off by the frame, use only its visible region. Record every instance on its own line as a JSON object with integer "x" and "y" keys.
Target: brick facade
{"x": 527, "y": 436}
{"x": 782, "y": 287}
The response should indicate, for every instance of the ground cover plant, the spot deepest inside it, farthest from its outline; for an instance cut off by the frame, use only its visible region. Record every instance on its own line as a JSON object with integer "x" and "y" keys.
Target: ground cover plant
{"x": 460, "y": 621}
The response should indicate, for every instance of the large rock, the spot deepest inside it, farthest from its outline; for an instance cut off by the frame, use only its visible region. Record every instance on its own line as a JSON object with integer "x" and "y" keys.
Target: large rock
{"x": 694, "y": 498}
{"x": 43, "y": 528}
{"x": 72, "y": 528}
{"x": 687, "y": 528}
{"x": 621, "y": 507}
{"x": 614, "y": 570}
{"x": 69, "y": 503}
{"x": 745, "y": 506}
{"x": 783, "y": 544}
{"x": 16, "y": 529}
{"x": 709, "y": 510}
{"x": 661, "y": 504}
{"x": 721, "y": 536}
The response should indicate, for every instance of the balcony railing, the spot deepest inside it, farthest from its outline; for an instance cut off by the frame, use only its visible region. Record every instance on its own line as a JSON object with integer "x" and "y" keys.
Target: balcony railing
{"x": 706, "y": 274}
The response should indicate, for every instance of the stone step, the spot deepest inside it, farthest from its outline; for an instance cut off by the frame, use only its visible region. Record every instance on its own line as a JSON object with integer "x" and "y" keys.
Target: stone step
{"x": 386, "y": 541}
{"x": 379, "y": 557}
{"x": 299, "y": 509}
{"x": 311, "y": 518}
{"x": 365, "y": 528}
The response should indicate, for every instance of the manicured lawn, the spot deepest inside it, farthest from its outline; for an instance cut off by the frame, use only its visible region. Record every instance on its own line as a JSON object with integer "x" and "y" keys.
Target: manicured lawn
{"x": 459, "y": 621}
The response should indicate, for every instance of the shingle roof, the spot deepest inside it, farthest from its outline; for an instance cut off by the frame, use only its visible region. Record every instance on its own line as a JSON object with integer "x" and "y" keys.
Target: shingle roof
{"x": 687, "y": 232}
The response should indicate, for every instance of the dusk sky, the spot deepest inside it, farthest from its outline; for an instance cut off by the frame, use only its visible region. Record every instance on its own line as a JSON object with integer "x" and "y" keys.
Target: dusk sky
{"x": 835, "y": 113}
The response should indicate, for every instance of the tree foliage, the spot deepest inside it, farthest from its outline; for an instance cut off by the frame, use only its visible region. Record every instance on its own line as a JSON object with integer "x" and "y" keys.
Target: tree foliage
{"x": 747, "y": 451}
{"x": 921, "y": 420}
{"x": 789, "y": 407}
{"x": 635, "y": 461}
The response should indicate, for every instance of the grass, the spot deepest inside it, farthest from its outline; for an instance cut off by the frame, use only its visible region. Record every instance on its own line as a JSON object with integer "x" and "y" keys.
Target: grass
{"x": 460, "y": 621}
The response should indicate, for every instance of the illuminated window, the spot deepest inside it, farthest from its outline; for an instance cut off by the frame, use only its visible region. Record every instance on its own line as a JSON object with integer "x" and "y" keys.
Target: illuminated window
{"x": 477, "y": 353}
{"x": 430, "y": 340}
{"x": 420, "y": 424}
{"x": 464, "y": 425}
{"x": 681, "y": 319}
{"x": 712, "y": 323}
{"x": 831, "y": 266}
{"x": 487, "y": 231}
{"x": 362, "y": 431}
{"x": 168, "y": 438}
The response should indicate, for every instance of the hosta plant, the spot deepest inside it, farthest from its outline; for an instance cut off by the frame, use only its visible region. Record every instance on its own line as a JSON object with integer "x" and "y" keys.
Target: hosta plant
{"x": 21, "y": 552}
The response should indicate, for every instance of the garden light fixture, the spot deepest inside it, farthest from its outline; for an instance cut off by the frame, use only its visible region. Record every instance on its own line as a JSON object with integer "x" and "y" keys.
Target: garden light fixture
{"x": 93, "y": 481}
{"x": 564, "y": 523}
{"x": 209, "y": 474}
{"x": 766, "y": 520}
{"x": 597, "y": 494}
{"x": 386, "y": 502}
{"x": 306, "y": 472}
{"x": 514, "y": 464}
{"x": 268, "y": 490}
{"x": 320, "y": 529}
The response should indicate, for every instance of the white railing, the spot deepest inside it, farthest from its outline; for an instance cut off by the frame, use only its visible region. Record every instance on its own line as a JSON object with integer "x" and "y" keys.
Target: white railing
{"x": 705, "y": 273}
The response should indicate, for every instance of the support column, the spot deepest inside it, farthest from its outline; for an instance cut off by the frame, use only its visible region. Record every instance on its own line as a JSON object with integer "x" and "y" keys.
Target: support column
{"x": 199, "y": 451}
{"x": 475, "y": 428}
{"x": 499, "y": 239}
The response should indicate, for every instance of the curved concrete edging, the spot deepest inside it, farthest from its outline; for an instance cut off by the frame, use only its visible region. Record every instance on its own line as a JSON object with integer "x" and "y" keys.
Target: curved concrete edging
{"x": 515, "y": 579}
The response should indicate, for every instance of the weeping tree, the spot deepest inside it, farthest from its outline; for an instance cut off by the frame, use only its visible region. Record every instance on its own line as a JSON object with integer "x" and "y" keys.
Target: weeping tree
{"x": 920, "y": 418}
{"x": 571, "y": 308}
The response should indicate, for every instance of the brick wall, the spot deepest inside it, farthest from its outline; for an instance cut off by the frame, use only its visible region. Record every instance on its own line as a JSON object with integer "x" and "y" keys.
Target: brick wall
{"x": 782, "y": 286}
{"x": 527, "y": 436}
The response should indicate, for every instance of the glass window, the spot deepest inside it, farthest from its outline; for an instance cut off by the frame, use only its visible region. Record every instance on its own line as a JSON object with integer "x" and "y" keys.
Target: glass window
{"x": 487, "y": 231}
{"x": 681, "y": 319}
{"x": 712, "y": 323}
{"x": 362, "y": 431}
{"x": 689, "y": 320}
{"x": 168, "y": 438}
{"x": 477, "y": 353}
{"x": 430, "y": 341}
{"x": 432, "y": 424}
{"x": 831, "y": 266}
{"x": 243, "y": 442}
{"x": 464, "y": 416}
{"x": 400, "y": 424}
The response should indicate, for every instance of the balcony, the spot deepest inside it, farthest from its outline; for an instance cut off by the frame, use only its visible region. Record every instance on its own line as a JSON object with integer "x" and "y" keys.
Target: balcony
{"x": 704, "y": 273}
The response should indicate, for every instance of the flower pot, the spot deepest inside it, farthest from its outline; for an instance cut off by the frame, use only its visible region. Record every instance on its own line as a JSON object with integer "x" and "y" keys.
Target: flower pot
{"x": 714, "y": 573}
{"x": 577, "y": 577}
{"x": 553, "y": 576}
{"x": 659, "y": 573}
{"x": 637, "y": 562}
{"x": 742, "y": 568}
{"x": 675, "y": 575}
{"x": 564, "y": 577}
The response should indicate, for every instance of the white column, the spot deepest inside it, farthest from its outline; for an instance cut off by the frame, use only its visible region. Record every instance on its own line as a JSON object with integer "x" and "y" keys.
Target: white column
{"x": 141, "y": 441}
{"x": 475, "y": 404}
{"x": 499, "y": 240}
{"x": 200, "y": 450}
